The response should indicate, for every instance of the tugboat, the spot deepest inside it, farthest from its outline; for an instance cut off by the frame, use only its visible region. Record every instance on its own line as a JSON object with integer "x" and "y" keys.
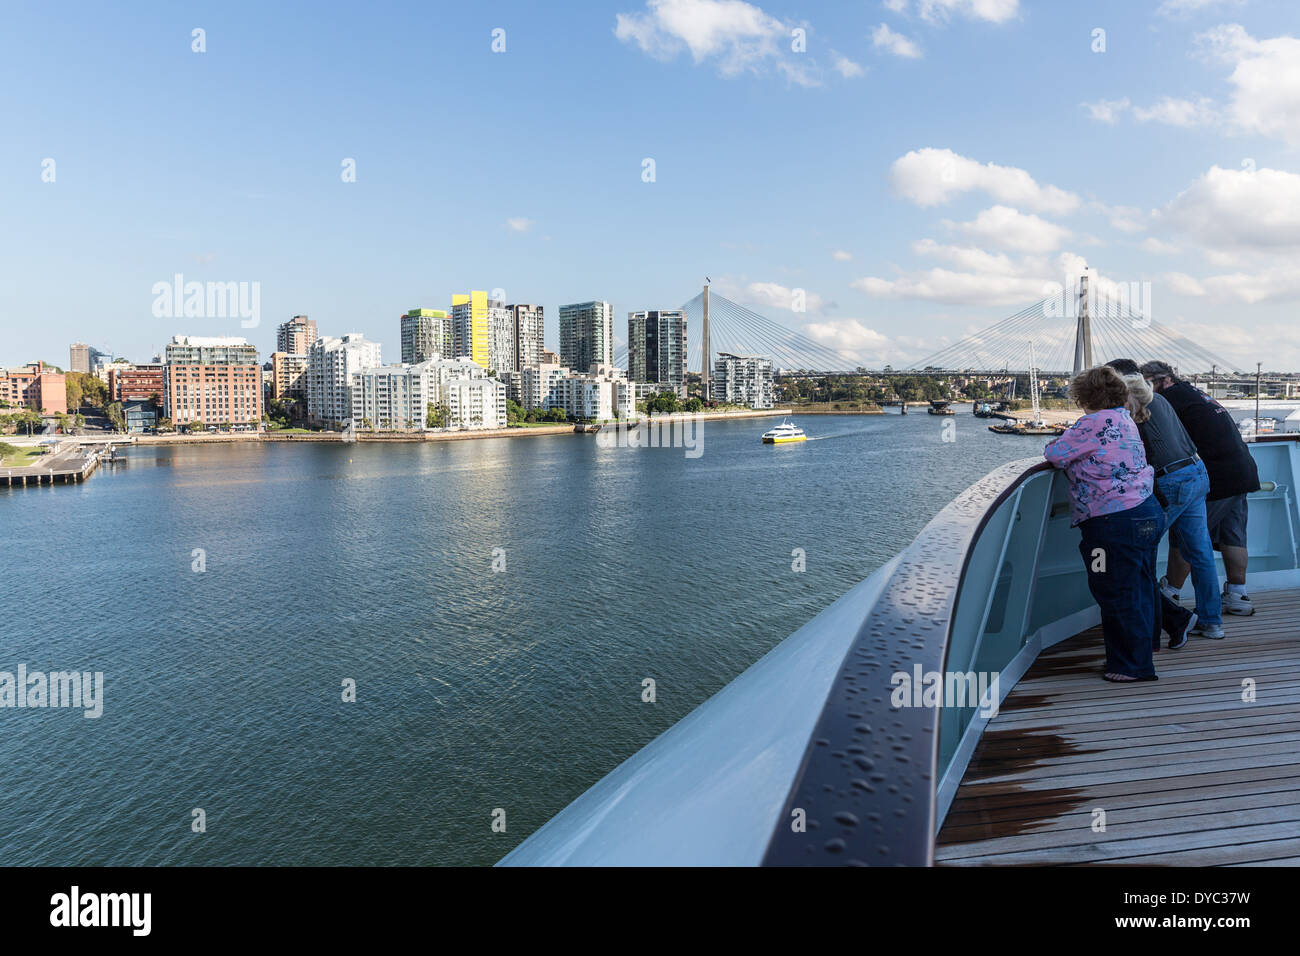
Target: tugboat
{"x": 784, "y": 434}
{"x": 940, "y": 408}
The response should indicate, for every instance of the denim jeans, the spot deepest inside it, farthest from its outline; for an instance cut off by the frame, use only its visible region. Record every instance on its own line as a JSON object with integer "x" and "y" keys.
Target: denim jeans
{"x": 1124, "y": 584}
{"x": 1185, "y": 491}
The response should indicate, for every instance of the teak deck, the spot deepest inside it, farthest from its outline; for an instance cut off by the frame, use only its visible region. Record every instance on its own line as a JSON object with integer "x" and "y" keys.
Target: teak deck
{"x": 1186, "y": 772}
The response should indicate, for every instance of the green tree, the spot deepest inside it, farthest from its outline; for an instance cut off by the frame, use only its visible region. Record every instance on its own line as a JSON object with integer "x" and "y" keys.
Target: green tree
{"x": 437, "y": 415}
{"x": 514, "y": 412}
{"x": 116, "y": 418}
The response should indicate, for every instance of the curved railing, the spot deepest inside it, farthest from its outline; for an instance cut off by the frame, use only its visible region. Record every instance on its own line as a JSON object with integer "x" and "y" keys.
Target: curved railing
{"x": 821, "y": 753}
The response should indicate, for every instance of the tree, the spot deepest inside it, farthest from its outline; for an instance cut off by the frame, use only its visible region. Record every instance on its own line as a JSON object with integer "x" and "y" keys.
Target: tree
{"x": 116, "y": 418}
{"x": 437, "y": 415}
{"x": 514, "y": 412}
{"x": 694, "y": 405}
{"x": 196, "y": 426}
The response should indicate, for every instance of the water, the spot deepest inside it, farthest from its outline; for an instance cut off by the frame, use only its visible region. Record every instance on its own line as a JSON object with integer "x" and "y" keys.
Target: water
{"x": 475, "y": 690}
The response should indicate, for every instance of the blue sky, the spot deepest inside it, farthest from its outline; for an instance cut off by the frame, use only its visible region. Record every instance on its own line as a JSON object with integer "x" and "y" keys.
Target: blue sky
{"x": 857, "y": 170}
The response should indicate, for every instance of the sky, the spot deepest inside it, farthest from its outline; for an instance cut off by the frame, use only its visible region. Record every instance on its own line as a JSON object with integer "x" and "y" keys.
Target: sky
{"x": 886, "y": 177}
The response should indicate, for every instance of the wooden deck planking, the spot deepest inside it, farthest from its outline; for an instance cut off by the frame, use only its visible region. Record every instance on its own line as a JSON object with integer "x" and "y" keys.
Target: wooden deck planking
{"x": 1187, "y": 773}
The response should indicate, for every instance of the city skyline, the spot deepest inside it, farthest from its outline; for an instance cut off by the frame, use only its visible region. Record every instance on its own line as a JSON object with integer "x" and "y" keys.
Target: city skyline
{"x": 785, "y": 176}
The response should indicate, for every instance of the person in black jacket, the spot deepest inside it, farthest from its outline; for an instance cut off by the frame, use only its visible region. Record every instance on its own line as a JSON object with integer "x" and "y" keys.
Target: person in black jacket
{"x": 1233, "y": 475}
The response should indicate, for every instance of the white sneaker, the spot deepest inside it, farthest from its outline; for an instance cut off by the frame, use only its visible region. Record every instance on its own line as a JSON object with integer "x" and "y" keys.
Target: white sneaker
{"x": 1213, "y": 631}
{"x": 1234, "y": 603}
{"x": 1168, "y": 591}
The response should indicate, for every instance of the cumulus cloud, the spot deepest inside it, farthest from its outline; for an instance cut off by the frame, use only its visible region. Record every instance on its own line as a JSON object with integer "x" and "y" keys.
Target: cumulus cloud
{"x": 736, "y": 36}
{"x": 1265, "y": 80}
{"x": 1012, "y": 229}
{"x": 1240, "y": 208}
{"x": 1180, "y": 283}
{"x": 883, "y": 38}
{"x": 1107, "y": 111}
{"x": 1180, "y": 8}
{"x": 940, "y": 11}
{"x": 846, "y": 67}
{"x": 932, "y": 176}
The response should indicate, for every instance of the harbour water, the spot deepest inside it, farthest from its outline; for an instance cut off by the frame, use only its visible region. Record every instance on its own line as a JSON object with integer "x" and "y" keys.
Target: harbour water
{"x": 476, "y": 690}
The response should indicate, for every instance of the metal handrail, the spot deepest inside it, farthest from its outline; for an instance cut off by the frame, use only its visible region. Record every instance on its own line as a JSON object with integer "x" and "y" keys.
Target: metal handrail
{"x": 866, "y": 791}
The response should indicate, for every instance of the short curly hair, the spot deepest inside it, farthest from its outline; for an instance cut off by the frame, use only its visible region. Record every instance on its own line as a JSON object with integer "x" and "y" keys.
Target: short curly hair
{"x": 1101, "y": 387}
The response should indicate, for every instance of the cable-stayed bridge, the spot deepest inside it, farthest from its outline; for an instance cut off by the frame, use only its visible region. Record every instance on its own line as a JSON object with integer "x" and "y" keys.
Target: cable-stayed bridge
{"x": 740, "y": 330}
{"x": 1070, "y": 333}
{"x": 1067, "y": 332}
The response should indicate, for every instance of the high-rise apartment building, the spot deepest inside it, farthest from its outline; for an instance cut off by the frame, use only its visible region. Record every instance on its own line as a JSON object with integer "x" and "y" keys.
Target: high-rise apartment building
{"x": 295, "y": 336}
{"x": 212, "y": 379}
{"x": 469, "y": 316}
{"x": 289, "y": 376}
{"x": 742, "y": 380}
{"x": 331, "y": 363}
{"x": 79, "y": 357}
{"x": 656, "y": 348}
{"x": 426, "y": 334}
{"x": 530, "y": 329}
{"x": 501, "y": 337}
{"x": 586, "y": 335}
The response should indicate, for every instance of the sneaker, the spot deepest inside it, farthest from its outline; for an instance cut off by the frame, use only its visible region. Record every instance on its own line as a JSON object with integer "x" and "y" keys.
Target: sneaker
{"x": 1178, "y": 640}
{"x": 1213, "y": 631}
{"x": 1168, "y": 591}
{"x": 1234, "y": 603}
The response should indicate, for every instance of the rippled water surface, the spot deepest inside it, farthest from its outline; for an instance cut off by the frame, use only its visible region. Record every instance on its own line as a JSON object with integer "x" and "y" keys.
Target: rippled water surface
{"x": 475, "y": 690}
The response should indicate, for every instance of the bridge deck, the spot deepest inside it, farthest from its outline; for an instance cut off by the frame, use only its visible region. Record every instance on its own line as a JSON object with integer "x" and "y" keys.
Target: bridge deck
{"x": 1186, "y": 772}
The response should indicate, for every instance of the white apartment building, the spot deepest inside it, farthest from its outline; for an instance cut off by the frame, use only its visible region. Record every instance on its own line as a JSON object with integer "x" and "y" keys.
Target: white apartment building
{"x": 501, "y": 337}
{"x": 474, "y": 403}
{"x": 743, "y": 380}
{"x": 601, "y": 394}
{"x": 331, "y": 364}
{"x": 536, "y": 382}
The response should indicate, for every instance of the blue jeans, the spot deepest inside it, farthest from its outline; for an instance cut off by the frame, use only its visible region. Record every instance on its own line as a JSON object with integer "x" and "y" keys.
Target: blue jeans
{"x": 1184, "y": 491}
{"x": 1119, "y": 552}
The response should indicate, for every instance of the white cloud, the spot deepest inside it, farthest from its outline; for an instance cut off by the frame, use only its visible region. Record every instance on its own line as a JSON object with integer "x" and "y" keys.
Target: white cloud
{"x": 1265, "y": 84}
{"x": 1107, "y": 111}
{"x": 739, "y": 37}
{"x": 1012, "y": 229}
{"x": 883, "y": 38}
{"x": 846, "y": 67}
{"x": 1180, "y": 283}
{"x": 846, "y": 334}
{"x": 1176, "y": 112}
{"x": 1154, "y": 245}
{"x": 1277, "y": 284}
{"x": 771, "y": 295}
{"x": 966, "y": 257}
{"x": 1233, "y": 209}
{"x": 1124, "y": 218}
{"x": 839, "y": 255}
{"x": 940, "y": 11}
{"x": 1265, "y": 80}
{"x": 1178, "y": 8}
{"x": 519, "y": 224}
{"x": 955, "y": 288}
{"x": 932, "y": 176}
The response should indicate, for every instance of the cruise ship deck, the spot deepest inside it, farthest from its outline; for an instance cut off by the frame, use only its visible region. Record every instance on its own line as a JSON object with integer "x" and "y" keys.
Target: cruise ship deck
{"x": 1186, "y": 771}
{"x": 950, "y": 710}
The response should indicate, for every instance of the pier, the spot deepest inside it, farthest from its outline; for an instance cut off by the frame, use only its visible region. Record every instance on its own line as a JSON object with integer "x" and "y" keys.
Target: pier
{"x": 71, "y": 465}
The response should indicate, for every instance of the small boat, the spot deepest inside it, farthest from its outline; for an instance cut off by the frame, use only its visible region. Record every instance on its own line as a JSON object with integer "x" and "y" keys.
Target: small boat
{"x": 784, "y": 433}
{"x": 1250, "y": 427}
{"x": 940, "y": 408}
